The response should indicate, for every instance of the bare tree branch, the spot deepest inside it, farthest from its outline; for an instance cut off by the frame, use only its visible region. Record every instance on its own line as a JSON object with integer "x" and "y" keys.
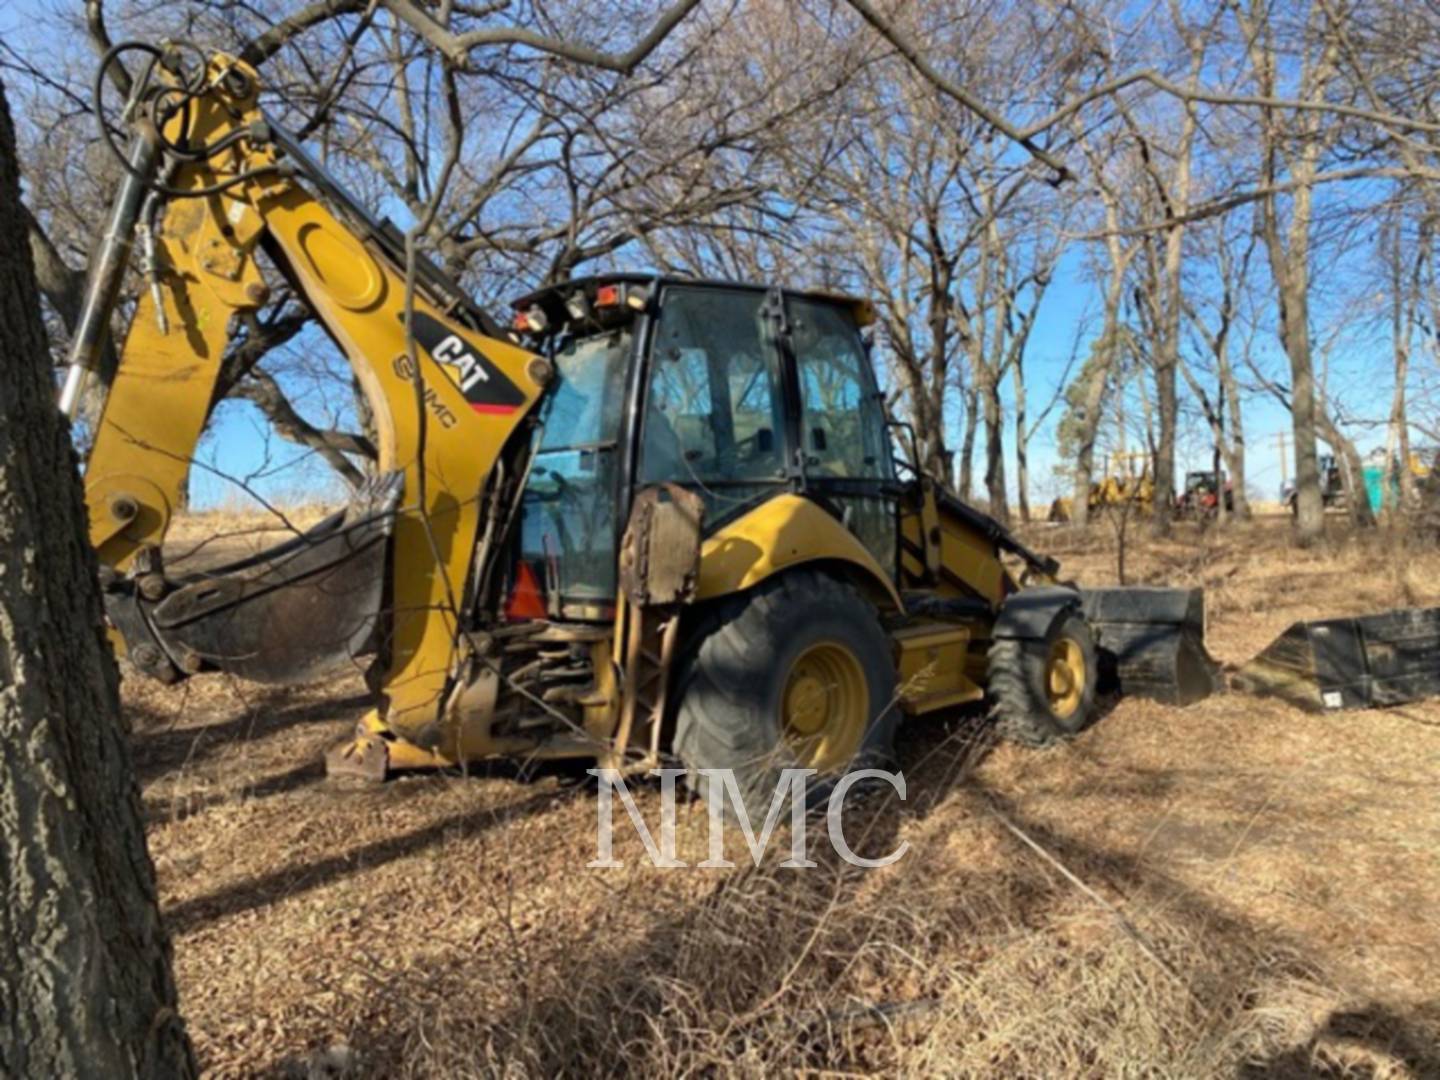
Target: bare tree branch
{"x": 62, "y": 287}
{"x": 260, "y": 388}
{"x": 456, "y": 48}
{"x": 100, "y": 37}
{"x": 278, "y": 36}
{"x": 917, "y": 60}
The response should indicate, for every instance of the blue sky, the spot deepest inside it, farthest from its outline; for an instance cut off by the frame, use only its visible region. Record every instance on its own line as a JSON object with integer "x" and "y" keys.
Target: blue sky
{"x": 238, "y": 443}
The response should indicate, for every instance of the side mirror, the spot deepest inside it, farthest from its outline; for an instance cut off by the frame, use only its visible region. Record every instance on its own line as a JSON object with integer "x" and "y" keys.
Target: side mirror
{"x": 910, "y": 445}
{"x": 817, "y": 439}
{"x": 764, "y": 441}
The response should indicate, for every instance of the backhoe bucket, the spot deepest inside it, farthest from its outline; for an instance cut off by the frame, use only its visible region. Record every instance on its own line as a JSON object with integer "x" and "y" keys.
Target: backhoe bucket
{"x": 294, "y": 612}
{"x": 1352, "y": 663}
{"x": 1151, "y": 642}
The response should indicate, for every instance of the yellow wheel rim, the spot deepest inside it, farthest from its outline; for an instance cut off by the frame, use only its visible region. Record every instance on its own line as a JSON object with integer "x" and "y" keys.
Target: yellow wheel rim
{"x": 1065, "y": 677}
{"x": 823, "y": 707}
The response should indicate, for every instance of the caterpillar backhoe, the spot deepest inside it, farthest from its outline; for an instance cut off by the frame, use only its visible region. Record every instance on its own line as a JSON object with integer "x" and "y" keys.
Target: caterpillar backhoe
{"x": 650, "y": 517}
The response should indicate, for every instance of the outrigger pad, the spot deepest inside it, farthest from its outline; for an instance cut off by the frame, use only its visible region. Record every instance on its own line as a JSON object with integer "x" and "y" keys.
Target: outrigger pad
{"x": 1151, "y": 642}
{"x": 1353, "y": 663}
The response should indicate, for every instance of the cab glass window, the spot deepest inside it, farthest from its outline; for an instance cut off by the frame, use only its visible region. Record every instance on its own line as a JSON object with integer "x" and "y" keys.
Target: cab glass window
{"x": 713, "y": 413}
{"x": 842, "y": 424}
{"x": 569, "y": 510}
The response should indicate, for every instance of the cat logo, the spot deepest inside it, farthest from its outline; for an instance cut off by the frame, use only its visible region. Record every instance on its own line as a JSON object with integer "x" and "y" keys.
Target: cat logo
{"x": 485, "y": 386}
{"x": 452, "y": 351}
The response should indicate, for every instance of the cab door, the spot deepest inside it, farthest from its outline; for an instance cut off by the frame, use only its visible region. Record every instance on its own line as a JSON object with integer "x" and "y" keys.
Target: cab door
{"x": 844, "y": 446}
{"x": 714, "y": 413}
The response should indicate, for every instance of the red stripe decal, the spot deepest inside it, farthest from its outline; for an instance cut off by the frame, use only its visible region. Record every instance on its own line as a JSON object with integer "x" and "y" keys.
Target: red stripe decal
{"x": 492, "y": 410}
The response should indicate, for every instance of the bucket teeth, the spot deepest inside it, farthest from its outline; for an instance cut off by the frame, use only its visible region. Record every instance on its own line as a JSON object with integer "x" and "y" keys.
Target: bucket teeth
{"x": 1151, "y": 642}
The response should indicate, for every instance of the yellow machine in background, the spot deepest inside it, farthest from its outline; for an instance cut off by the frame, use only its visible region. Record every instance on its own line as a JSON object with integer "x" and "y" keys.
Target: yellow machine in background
{"x": 654, "y": 517}
{"x": 1124, "y": 486}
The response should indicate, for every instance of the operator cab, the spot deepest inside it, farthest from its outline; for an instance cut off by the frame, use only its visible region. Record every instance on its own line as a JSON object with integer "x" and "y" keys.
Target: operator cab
{"x": 736, "y": 392}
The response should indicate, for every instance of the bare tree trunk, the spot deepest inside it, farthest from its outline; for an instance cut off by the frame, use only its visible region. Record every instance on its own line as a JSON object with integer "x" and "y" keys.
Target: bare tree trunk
{"x": 1217, "y": 464}
{"x": 1227, "y": 408}
{"x": 1147, "y": 420}
{"x": 1236, "y": 455}
{"x": 1092, "y": 404}
{"x": 1404, "y": 304}
{"x": 85, "y": 982}
{"x": 1289, "y": 254}
{"x": 1085, "y": 451}
{"x": 1215, "y": 418}
{"x": 967, "y": 443}
{"x": 932, "y": 401}
{"x": 1167, "y": 409}
{"x": 1398, "y": 474}
{"x": 925, "y": 418}
{"x": 995, "y": 450}
{"x": 1232, "y": 409}
{"x": 1352, "y": 470}
{"x": 1022, "y": 438}
{"x": 1295, "y": 336}
{"x": 1166, "y": 291}
{"x": 1405, "y": 296}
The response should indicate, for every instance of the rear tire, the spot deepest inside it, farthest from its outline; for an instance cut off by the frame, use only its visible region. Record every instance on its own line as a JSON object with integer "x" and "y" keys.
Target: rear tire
{"x": 800, "y": 651}
{"x": 1033, "y": 703}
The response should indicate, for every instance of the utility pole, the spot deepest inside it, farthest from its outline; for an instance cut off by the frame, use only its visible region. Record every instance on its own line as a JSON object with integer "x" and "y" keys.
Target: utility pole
{"x": 1282, "y": 440}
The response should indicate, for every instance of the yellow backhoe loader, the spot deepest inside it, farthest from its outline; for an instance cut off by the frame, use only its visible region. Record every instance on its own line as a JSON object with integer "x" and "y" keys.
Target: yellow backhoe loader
{"x": 653, "y": 516}
{"x": 1123, "y": 488}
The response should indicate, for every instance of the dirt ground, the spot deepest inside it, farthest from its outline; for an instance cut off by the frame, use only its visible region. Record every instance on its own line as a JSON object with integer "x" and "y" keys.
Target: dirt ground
{"x": 1237, "y": 888}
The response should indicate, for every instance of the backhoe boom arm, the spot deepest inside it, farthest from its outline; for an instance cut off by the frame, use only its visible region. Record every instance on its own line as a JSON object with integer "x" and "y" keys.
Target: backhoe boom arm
{"x": 212, "y": 182}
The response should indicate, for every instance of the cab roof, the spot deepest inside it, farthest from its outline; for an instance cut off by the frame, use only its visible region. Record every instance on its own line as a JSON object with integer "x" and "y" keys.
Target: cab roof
{"x": 551, "y": 299}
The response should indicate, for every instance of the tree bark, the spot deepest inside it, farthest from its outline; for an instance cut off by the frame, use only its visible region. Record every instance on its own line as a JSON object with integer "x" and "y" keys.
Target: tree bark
{"x": 1397, "y": 471}
{"x": 1162, "y": 509}
{"x": 1236, "y": 453}
{"x": 967, "y": 443}
{"x": 1022, "y": 439}
{"x": 994, "y": 411}
{"x": 1295, "y": 337}
{"x": 1092, "y": 408}
{"x": 1404, "y": 302}
{"x": 85, "y": 981}
{"x": 1165, "y": 290}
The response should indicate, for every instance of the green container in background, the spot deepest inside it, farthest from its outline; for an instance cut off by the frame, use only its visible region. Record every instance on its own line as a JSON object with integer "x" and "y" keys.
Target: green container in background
{"x": 1375, "y": 488}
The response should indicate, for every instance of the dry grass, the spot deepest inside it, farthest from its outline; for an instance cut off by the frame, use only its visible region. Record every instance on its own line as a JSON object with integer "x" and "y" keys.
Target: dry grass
{"x": 204, "y": 539}
{"x": 1283, "y": 866}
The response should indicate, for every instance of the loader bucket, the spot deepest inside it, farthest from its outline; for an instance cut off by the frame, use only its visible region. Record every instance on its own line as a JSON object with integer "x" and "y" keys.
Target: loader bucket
{"x": 1151, "y": 642}
{"x": 1352, "y": 663}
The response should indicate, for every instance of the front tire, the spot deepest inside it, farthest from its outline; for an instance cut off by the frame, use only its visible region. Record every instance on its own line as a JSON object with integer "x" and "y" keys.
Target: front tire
{"x": 795, "y": 673}
{"x": 1042, "y": 690}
